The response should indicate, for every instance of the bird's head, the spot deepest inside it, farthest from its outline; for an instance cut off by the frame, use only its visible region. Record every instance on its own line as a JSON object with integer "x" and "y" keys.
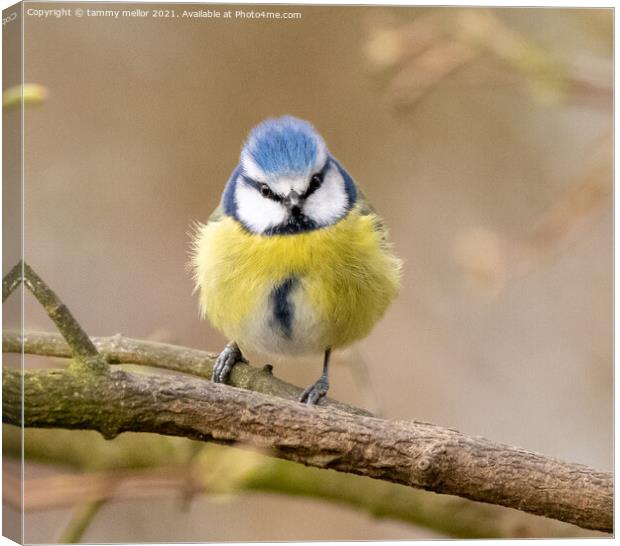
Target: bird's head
{"x": 286, "y": 181}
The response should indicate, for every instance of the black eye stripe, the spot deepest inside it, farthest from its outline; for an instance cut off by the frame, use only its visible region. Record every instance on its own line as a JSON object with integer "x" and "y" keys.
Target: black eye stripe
{"x": 258, "y": 187}
{"x": 312, "y": 187}
{"x": 316, "y": 180}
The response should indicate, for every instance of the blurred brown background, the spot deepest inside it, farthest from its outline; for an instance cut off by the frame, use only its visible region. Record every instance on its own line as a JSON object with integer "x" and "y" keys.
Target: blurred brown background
{"x": 482, "y": 137}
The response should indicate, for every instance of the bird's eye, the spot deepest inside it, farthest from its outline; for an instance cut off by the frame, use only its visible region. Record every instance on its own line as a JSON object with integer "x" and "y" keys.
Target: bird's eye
{"x": 265, "y": 190}
{"x": 315, "y": 182}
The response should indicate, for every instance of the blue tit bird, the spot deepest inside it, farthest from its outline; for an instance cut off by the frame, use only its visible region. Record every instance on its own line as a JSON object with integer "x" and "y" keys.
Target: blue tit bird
{"x": 294, "y": 260}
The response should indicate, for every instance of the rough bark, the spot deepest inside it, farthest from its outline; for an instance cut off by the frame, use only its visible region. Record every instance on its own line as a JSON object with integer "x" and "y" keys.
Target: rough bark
{"x": 416, "y": 454}
{"x": 119, "y": 349}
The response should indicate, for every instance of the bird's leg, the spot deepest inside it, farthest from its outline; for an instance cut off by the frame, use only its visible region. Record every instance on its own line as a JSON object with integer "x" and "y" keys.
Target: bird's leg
{"x": 225, "y": 362}
{"x": 313, "y": 394}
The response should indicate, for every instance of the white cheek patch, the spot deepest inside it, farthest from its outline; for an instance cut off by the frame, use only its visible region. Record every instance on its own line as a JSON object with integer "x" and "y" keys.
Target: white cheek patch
{"x": 329, "y": 202}
{"x": 255, "y": 211}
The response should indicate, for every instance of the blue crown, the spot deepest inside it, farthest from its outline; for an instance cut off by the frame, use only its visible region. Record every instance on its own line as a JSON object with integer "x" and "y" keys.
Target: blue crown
{"x": 284, "y": 145}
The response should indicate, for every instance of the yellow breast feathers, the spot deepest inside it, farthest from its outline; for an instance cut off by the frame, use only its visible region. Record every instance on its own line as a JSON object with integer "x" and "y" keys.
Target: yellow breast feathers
{"x": 344, "y": 277}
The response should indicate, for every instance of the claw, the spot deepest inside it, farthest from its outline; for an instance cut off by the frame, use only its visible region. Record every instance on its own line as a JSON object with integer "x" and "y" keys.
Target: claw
{"x": 230, "y": 355}
{"x": 315, "y": 393}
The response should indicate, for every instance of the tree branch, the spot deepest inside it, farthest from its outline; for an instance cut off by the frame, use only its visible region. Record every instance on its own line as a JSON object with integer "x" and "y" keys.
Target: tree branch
{"x": 80, "y": 520}
{"x": 446, "y": 514}
{"x": 416, "y": 454}
{"x": 139, "y": 466}
{"x": 12, "y": 280}
{"x": 82, "y": 349}
{"x": 123, "y": 350}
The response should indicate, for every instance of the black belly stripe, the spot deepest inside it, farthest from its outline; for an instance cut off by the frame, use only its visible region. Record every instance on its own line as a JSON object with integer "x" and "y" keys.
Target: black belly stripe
{"x": 283, "y": 308}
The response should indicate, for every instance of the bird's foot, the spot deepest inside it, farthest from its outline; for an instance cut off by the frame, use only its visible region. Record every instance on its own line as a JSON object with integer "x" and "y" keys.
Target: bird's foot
{"x": 315, "y": 393}
{"x": 225, "y": 362}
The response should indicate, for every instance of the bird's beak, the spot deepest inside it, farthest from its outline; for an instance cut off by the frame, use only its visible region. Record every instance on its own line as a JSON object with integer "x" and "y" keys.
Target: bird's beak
{"x": 292, "y": 201}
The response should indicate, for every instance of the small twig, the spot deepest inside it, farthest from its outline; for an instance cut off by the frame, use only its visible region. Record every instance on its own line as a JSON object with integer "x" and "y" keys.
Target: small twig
{"x": 82, "y": 349}
{"x": 80, "y": 520}
{"x": 78, "y": 340}
{"x": 489, "y": 261}
{"x": 584, "y": 196}
{"x": 418, "y": 56}
{"x": 66, "y": 490}
{"x": 12, "y": 280}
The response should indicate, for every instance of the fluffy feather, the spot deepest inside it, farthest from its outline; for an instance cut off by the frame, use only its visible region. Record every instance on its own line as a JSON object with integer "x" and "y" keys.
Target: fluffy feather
{"x": 329, "y": 202}
{"x": 288, "y": 268}
{"x": 345, "y": 278}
